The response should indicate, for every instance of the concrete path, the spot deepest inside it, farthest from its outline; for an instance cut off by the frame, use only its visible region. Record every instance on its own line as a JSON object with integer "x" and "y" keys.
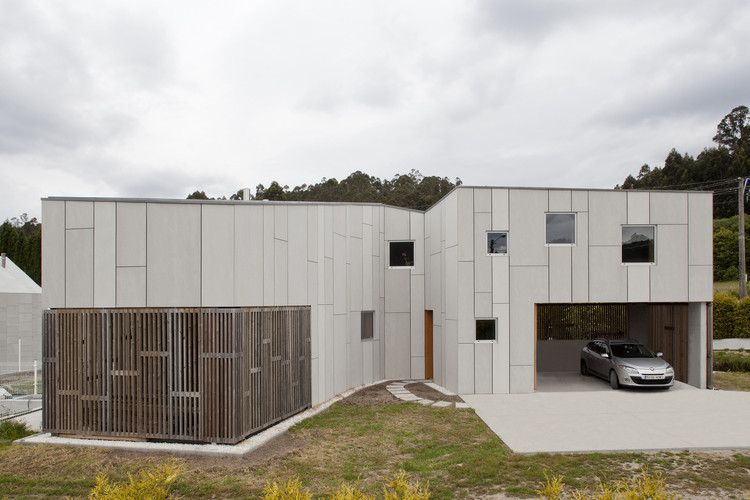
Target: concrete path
{"x": 731, "y": 344}
{"x": 398, "y": 389}
{"x": 625, "y": 420}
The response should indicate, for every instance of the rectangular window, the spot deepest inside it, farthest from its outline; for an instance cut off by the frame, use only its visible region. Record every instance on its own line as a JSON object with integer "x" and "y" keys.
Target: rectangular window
{"x": 401, "y": 254}
{"x": 561, "y": 229}
{"x": 497, "y": 243}
{"x": 367, "y": 325}
{"x": 486, "y": 329}
{"x": 638, "y": 244}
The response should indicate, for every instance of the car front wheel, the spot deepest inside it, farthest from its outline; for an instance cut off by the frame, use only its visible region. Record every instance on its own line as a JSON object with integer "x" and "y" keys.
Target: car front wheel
{"x": 584, "y": 368}
{"x": 613, "y": 380}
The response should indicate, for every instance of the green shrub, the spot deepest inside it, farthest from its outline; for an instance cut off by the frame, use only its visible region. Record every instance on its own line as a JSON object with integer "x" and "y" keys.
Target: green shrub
{"x": 731, "y": 361}
{"x": 742, "y": 320}
{"x": 725, "y": 316}
{"x": 11, "y": 430}
{"x": 151, "y": 484}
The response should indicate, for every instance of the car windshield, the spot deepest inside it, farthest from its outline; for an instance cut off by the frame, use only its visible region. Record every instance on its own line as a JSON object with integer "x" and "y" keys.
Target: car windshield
{"x": 631, "y": 351}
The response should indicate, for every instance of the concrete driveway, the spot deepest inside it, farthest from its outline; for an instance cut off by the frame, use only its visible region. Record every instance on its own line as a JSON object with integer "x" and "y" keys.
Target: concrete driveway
{"x": 596, "y": 418}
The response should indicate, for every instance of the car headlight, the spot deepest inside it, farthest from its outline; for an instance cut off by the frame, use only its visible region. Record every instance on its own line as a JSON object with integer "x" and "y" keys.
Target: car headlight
{"x": 629, "y": 369}
{"x": 670, "y": 370}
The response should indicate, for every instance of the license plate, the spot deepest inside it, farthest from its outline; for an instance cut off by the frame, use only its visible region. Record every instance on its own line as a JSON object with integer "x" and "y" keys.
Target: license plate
{"x": 653, "y": 377}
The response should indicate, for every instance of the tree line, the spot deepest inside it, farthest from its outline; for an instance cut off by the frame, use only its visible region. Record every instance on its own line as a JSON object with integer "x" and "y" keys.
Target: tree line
{"x": 21, "y": 241}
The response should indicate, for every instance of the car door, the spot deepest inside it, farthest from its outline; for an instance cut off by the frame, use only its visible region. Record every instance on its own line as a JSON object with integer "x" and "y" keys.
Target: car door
{"x": 599, "y": 363}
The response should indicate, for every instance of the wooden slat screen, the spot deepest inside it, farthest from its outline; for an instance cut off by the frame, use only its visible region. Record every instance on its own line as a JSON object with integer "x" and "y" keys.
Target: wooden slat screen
{"x": 192, "y": 374}
{"x": 581, "y": 321}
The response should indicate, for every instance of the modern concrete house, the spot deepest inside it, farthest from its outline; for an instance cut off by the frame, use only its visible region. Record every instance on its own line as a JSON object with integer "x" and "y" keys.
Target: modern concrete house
{"x": 480, "y": 292}
{"x": 20, "y": 319}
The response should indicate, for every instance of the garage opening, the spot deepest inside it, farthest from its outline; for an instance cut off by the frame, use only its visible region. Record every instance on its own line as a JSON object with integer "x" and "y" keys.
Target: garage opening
{"x": 564, "y": 329}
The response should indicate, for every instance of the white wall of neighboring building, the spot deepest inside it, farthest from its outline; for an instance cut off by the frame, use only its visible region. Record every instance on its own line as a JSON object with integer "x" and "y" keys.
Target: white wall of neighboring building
{"x": 20, "y": 320}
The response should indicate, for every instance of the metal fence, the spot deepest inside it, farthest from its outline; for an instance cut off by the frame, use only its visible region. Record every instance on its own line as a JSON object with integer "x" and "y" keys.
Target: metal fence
{"x": 194, "y": 375}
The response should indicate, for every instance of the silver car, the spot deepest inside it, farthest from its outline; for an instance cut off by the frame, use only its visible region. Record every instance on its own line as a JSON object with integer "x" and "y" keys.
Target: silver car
{"x": 626, "y": 363}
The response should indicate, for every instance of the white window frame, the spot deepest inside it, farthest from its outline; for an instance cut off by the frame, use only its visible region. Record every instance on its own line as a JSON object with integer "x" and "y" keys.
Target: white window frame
{"x": 575, "y": 229}
{"x": 638, "y": 263}
{"x": 507, "y": 244}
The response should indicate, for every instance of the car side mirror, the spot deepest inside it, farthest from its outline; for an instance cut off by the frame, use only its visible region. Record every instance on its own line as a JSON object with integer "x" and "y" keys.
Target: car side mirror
{"x": 605, "y": 355}
{"x": 659, "y": 354}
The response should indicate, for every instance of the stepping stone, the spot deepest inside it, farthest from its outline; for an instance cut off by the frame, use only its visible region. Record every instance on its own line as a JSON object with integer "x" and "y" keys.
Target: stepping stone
{"x": 462, "y": 405}
{"x": 443, "y": 404}
{"x": 426, "y": 402}
{"x": 410, "y": 397}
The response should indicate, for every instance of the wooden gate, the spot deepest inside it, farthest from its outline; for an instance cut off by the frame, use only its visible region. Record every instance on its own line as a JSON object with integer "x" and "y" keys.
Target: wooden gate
{"x": 668, "y": 333}
{"x": 193, "y": 374}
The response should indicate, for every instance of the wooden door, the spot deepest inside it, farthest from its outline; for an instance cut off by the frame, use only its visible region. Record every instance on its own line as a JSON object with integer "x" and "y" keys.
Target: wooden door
{"x": 668, "y": 334}
{"x": 428, "y": 363}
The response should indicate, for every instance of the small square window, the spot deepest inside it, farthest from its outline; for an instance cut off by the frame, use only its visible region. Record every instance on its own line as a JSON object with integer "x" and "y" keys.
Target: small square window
{"x": 401, "y": 254}
{"x": 486, "y": 329}
{"x": 367, "y": 325}
{"x": 638, "y": 244}
{"x": 497, "y": 243}
{"x": 561, "y": 229}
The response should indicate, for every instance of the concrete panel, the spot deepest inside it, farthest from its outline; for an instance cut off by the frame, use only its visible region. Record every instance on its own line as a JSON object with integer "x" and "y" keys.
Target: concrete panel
{"x": 639, "y": 283}
{"x": 465, "y": 222}
{"x": 248, "y": 252}
{"x": 416, "y": 227}
{"x": 560, "y": 274}
{"x": 396, "y": 224}
{"x": 79, "y": 268}
{"x": 482, "y": 261}
{"x": 417, "y": 367}
{"x": 482, "y": 305}
{"x": 608, "y": 210}
{"x": 522, "y": 379}
{"x": 53, "y": 254}
{"x": 500, "y": 216}
{"x": 580, "y": 259}
{"x": 451, "y": 283}
{"x": 607, "y": 276}
{"x": 104, "y": 254}
{"x": 269, "y": 256}
{"x": 217, "y": 255}
{"x": 483, "y": 367}
{"x": 700, "y": 243}
{"x": 356, "y": 272}
{"x": 79, "y": 214}
{"x": 450, "y": 219}
{"x": 528, "y": 286}
{"x": 339, "y": 274}
{"x": 397, "y": 340}
{"x": 368, "y": 273}
{"x": 339, "y": 219}
{"x": 579, "y": 201}
{"x": 483, "y": 200}
{"x": 450, "y": 355}
{"x": 317, "y": 384}
{"x": 315, "y": 310}
{"x": 435, "y": 230}
{"x": 501, "y": 350}
{"x": 173, "y": 274}
{"x": 354, "y": 353}
{"x": 436, "y": 289}
{"x": 327, "y": 227}
{"x": 281, "y": 273}
{"x": 560, "y": 200}
{"x": 354, "y": 218}
{"x": 312, "y": 232}
{"x": 500, "y": 280}
{"x": 397, "y": 291}
{"x": 697, "y": 345}
{"x": 340, "y": 368}
{"x": 328, "y": 281}
{"x": 466, "y": 326}
{"x": 280, "y": 222}
{"x": 367, "y": 362}
{"x": 428, "y": 276}
{"x": 669, "y": 277}
{"x": 466, "y": 368}
{"x": 367, "y": 215}
{"x": 527, "y": 232}
{"x": 639, "y": 210}
{"x": 131, "y": 287}
{"x": 417, "y": 317}
{"x": 326, "y": 355}
{"x": 669, "y": 208}
{"x": 131, "y": 234}
{"x": 297, "y": 254}
{"x": 701, "y": 283}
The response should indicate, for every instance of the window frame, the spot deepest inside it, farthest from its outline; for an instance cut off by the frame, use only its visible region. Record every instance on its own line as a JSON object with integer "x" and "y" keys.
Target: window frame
{"x": 485, "y": 341}
{"x": 413, "y": 256}
{"x": 575, "y": 229}
{"x": 363, "y": 316}
{"x": 651, "y": 263}
{"x": 507, "y": 244}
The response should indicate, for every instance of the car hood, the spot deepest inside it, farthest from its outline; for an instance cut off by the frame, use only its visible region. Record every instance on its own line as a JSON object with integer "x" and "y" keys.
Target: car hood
{"x": 643, "y": 363}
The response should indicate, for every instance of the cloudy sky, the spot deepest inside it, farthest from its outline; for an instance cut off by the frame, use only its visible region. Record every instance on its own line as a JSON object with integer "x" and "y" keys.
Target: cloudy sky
{"x": 157, "y": 99}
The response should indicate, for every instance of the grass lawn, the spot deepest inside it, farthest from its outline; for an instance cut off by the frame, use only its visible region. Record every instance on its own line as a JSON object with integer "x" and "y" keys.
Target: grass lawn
{"x": 732, "y": 381}
{"x": 452, "y": 449}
